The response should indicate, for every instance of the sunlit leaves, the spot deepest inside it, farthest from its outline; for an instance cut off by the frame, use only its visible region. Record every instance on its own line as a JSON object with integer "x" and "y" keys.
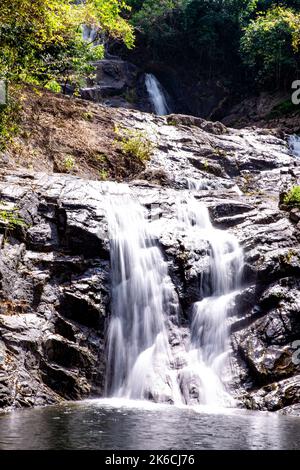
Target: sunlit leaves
{"x": 271, "y": 43}
{"x": 42, "y": 40}
{"x": 106, "y": 15}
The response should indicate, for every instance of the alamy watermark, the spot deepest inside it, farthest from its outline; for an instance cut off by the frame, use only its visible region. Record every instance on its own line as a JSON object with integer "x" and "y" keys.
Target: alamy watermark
{"x": 3, "y": 92}
{"x": 296, "y": 93}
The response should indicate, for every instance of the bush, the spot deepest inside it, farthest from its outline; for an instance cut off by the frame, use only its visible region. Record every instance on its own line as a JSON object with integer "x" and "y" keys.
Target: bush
{"x": 135, "y": 143}
{"x": 103, "y": 175}
{"x": 41, "y": 42}
{"x": 293, "y": 197}
{"x": 69, "y": 163}
{"x": 286, "y": 107}
{"x": 10, "y": 218}
{"x": 270, "y": 45}
{"x": 54, "y": 86}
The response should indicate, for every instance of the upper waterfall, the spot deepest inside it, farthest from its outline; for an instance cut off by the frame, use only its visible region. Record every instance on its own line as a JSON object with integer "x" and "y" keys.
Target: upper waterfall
{"x": 157, "y": 95}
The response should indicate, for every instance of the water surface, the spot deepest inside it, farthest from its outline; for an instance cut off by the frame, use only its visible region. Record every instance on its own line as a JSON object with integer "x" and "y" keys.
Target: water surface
{"x": 117, "y": 425}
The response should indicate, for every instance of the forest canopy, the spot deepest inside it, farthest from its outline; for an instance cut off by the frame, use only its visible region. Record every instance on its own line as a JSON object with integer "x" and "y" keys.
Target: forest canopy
{"x": 225, "y": 36}
{"x": 42, "y": 42}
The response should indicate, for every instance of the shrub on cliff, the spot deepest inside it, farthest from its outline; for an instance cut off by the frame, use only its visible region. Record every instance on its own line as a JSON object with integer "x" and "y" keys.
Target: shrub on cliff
{"x": 271, "y": 45}
{"x": 135, "y": 143}
{"x": 293, "y": 197}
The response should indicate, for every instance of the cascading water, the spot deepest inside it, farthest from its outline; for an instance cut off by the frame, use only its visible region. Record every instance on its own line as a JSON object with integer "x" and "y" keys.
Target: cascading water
{"x": 142, "y": 362}
{"x": 209, "y": 347}
{"x": 157, "y": 95}
{"x": 143, "y": 301}
{"x": 294, "y": 142}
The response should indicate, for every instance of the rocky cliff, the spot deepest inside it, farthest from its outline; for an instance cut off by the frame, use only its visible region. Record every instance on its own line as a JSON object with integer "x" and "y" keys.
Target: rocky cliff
{"x": 120, "y": 83}
{"x": 55, "y": 268}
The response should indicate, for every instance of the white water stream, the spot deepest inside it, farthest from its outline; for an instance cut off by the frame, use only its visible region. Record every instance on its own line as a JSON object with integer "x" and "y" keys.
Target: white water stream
{"x": 141, "y": 357}
{"x": 157, "y": 95}
{"x": 209, "y": 346}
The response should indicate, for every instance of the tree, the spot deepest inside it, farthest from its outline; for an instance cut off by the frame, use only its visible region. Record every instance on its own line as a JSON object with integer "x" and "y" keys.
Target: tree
{"x": 228, "y": 37}
{"x": 270, "y": 45}
{"x": 205, "y": 31}
{"x": 42, "y": 41}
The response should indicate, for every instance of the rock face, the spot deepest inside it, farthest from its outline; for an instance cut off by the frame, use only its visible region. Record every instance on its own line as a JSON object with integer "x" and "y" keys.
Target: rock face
{"x": 54, "y": 297}
{"x": 55, "y": 267}
{"x": 117, "y": 83}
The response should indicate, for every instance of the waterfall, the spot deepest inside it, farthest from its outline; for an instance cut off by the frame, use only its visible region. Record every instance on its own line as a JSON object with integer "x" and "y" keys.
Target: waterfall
{"x": 294, "y": 141}
{"x": 157, "y": 95}
{"x": 143, "y": 301}
{"x": 142, "y": 360}
{"x": 209, "y": 346}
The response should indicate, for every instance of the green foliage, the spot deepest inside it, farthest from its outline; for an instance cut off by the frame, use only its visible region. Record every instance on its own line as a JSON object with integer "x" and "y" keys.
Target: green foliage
{"x": 284, "y": 108}
{"x": 293, "y": 197}
{"x": 54, "y": 86}
{"x": 103, "y": 175}
{"x": 11, "y": 218}
{"x": 69, "y": 64}
{"x": 9, "y": 117}
{"x": 88, "y": 116}
{"x": 271, "y": 43}
{"x": 41, "y": 41}
{"x": 252, "y": 8}
{"x": 130, "y": 95}
{"x": 69, "y": 163}
{"x": 152, "y": 13}
{"x": 135, "y": 143}
{"x": 225, "y": 36}
{"x": 107, "y": 16}
{"x": 207, "y": 31}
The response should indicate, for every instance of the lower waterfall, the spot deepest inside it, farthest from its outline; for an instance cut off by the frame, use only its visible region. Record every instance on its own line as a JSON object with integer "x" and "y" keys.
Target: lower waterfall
{"x": 143, "y": 302}
{"x": 142, "y": 362}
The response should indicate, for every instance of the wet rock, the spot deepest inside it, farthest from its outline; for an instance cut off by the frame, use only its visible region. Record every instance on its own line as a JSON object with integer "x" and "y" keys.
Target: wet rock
{"x": 4, "y": 158}
{"x": 43, "y": 238}
{"x": 117, "y": 84}
{"x": 295, "y": 215}
{"x": 53, "y": 299}
{"x": 277, "y": 395}
{"x": 112, "y": 78}
{"x": 191, "y": 121}
{"x": 293, "y": 410}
